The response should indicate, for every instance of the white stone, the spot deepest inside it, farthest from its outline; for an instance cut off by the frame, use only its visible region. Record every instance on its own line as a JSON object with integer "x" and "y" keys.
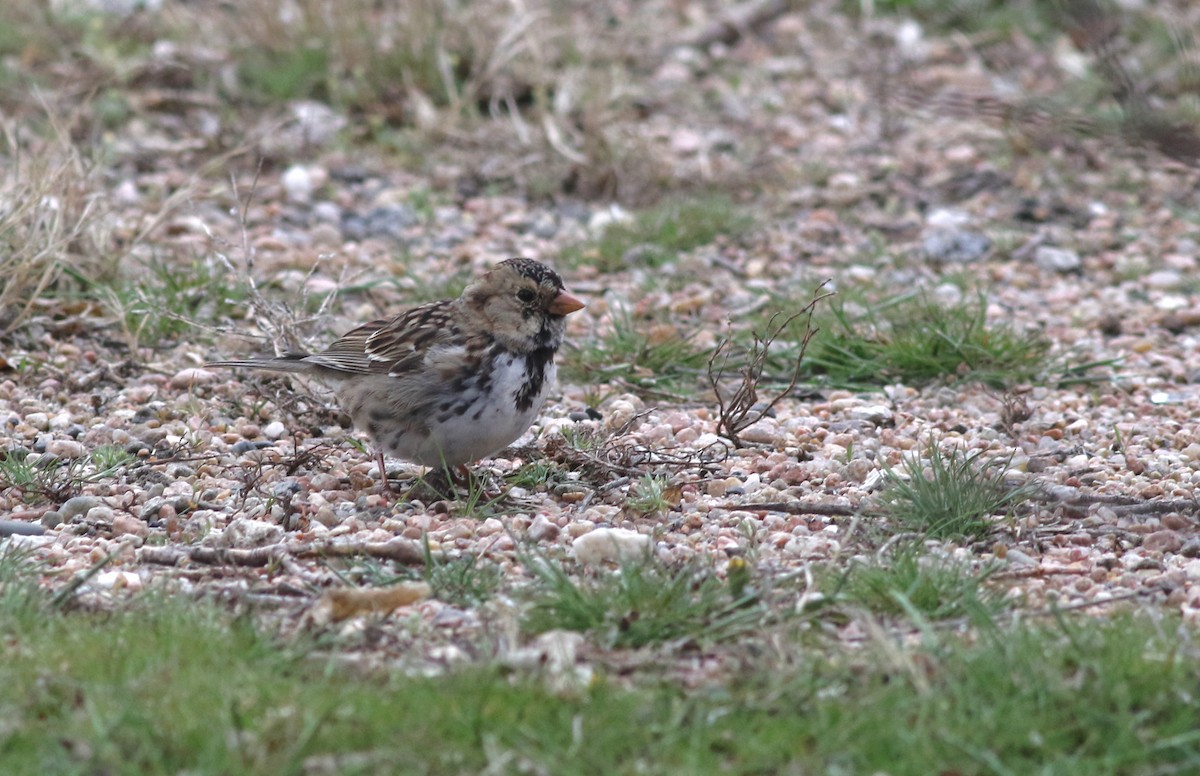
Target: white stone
{"x": 1056, "y": 259}
{"x": 489, "y": 527}
{"x": 186, "y": 378}
{"x": 252, "y": 533}
{"x": 275, "y": 430}
{"x": 66, "y": 448}
{"x": 602, "y": 219}
{"x": 1164, "y": 278}
{"x": 299, "y": 183}
{"x": 118, "y": 580}
{"x": 876, "y": 414}
{"x": 610, "y": 545}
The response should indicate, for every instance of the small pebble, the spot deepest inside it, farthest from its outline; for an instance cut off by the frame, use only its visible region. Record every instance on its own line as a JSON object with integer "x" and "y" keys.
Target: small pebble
{"x": 275, "y": 430}
{"x": 117, "y": 580}
{"x": 541, "y": 530}
{"x": 128, "y": 525}
{"x": 75, "y": 507}
{"x": 955, "y": 246}
{"x": 244, "y": 532}
{"x": 20, "y": 528}
{"x": 1162, "y": 541}
{"x": 66, "y": 448}
{"x": 324, "y": 481}
{"x": 100, "y": 514}
{"x": 186, "y": 378}
{"x": 1058, "y": 260}
{"x": 609, "y": 545}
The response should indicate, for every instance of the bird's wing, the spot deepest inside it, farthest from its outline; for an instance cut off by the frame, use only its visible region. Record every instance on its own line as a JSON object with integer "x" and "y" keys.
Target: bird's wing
{"x": 395, "y": 346}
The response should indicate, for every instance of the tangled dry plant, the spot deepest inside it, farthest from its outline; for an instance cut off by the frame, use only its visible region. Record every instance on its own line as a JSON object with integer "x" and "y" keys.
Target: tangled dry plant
{"x": 741, "y": 408}
{"x": 50, "y": 218}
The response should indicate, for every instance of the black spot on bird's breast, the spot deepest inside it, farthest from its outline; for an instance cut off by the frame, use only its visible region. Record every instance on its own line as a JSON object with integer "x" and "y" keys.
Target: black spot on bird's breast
{"x": 535, "y": 377}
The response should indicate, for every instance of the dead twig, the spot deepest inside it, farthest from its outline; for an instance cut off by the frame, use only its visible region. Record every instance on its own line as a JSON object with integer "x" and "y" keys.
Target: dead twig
{"x": 1122, "y": 506}
{"x": 793, "y": 508}
{"x": 398, "y": 549}
{"x": 742, "y": 409}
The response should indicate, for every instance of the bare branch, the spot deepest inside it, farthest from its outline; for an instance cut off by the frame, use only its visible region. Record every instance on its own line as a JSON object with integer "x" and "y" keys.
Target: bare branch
{"x": 741, "y": 409}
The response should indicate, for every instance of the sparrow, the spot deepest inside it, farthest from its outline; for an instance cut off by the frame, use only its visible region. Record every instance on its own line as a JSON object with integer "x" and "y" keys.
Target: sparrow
{"x": 449, "y": 382}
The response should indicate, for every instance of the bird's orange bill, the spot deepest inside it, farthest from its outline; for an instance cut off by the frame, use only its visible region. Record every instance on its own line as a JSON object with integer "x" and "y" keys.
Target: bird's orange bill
{"x": 564, "y": 303}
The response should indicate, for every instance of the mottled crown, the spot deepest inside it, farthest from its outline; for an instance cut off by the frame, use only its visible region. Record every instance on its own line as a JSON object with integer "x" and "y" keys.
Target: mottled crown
{"x": 534, "y": 270}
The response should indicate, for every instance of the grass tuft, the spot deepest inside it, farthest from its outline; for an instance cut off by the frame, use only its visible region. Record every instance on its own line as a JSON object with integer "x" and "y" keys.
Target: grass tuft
{"x": 643, "y": 602}
{"x": 168, "y": 299}
{"x": 41, "y": 478}
{"x": 907, "y": 581}
{"x": 949, "y": 496}
{"x": 466, "y": 580}
{"x": 652, "y": 495}
{"x": 913, "y": 339}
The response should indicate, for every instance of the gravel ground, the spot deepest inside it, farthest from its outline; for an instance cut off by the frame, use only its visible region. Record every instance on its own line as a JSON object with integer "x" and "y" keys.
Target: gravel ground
{"x": 1099, "y": 258}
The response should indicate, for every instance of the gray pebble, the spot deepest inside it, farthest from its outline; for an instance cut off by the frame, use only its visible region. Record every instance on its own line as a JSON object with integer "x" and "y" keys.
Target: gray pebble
{"x": 20, "y": 528}
{"x": 248, "y": 446}
{"x": 52, "y": 519}
{"x": 544, "y": 226}
{"x": 150, "y": 508}
{"x": 388, "y": 221}
{"x": 100, "y": 514}
{"x": 955, "y": 246}
{"x": 576, "y": 211}
{"x": 763, "y": 409}
{"x": 1057, "y": 259}
{"x": 1164, "y": 279}
{"x": 326, "y": 212}
{"x": 78, "y": 506}
{"x": 288, "y": 487}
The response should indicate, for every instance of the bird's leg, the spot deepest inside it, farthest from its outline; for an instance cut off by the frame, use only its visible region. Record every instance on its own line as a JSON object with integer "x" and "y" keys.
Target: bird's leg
{"x": 385, "y": 485}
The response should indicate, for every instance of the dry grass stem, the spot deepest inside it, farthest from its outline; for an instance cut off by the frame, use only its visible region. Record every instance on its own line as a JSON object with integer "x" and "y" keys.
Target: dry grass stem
{"x": 742, "y": 408}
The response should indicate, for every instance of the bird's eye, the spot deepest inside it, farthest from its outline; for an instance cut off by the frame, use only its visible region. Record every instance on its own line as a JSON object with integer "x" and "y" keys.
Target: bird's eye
{"x": 526, "y": 295}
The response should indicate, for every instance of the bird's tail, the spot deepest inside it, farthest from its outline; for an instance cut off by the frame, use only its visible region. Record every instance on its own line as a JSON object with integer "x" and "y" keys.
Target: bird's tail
{"x": 288, "y": 362}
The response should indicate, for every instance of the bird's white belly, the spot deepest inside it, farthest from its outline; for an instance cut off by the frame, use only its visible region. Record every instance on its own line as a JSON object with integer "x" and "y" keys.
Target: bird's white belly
{"x": 490, "y": 424}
